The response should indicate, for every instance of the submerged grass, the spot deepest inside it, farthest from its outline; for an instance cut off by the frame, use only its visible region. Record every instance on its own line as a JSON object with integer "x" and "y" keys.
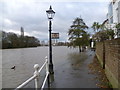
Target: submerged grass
{"x": 77, "y": 59}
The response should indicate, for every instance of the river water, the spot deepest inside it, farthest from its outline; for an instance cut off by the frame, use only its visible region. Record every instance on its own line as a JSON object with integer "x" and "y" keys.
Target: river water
{"x": 24, "y": 60}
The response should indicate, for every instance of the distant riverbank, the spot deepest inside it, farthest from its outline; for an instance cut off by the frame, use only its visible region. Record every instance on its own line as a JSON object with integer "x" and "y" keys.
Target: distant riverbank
{"x": 12, "y": 40}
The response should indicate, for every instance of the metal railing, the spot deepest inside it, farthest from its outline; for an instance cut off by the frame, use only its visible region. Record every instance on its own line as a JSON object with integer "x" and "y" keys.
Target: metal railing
{"x": 37, "y": 75}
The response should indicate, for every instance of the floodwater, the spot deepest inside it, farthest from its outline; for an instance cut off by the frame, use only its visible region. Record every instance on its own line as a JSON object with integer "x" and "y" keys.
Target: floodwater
{"x": 70, "y": 67}
{"x": 73, "y": 72}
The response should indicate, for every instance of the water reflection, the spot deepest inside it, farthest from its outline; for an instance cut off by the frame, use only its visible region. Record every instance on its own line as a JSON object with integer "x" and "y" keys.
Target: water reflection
{"x": 76, "y": 59}
{"x": 51, "y": 81}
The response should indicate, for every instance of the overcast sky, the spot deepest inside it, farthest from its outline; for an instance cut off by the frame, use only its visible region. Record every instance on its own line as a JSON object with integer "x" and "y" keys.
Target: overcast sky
{"x": 31, "y": 15}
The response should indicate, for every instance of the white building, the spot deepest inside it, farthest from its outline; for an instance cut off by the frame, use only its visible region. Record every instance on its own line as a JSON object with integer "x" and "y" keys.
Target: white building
{"x": 116, "y": 11}
{"x": 114, "y": 16}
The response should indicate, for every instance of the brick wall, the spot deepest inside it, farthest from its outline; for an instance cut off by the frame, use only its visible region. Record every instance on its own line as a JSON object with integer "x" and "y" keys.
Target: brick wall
{"x": 108, "y": 53}
{"x": 99, "y": 52}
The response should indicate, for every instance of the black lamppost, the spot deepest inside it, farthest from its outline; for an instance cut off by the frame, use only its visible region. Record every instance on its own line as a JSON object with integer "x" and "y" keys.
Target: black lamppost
{"x": 50, "y": 14}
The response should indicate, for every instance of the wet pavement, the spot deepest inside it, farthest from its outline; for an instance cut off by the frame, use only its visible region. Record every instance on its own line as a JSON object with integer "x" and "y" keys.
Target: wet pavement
{"x": 74, "y": 71}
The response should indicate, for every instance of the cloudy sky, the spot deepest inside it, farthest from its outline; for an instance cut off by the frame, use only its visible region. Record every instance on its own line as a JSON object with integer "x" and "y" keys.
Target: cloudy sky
{"x": 31, "y": 15}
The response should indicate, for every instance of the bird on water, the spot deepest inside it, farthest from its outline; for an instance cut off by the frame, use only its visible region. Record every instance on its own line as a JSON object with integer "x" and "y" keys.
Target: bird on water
{"x": 13, "y": 67}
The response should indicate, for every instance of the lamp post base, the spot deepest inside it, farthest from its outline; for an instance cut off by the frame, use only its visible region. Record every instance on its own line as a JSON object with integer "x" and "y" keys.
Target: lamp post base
{"x": 51, "y": 69}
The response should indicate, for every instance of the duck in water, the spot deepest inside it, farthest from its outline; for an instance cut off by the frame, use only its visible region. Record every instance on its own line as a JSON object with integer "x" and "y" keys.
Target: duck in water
{"x": 13, "y": 67}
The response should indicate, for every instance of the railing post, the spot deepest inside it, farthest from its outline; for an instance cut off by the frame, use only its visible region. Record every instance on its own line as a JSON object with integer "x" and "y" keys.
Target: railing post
{"x": 47, "y": 70}
{"x": 47, "y": 65}
{"x": 36, "y": 67}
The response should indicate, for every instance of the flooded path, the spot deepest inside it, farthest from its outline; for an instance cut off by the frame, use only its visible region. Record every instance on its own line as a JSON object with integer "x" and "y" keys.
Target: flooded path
{"x": 74, "y": 72}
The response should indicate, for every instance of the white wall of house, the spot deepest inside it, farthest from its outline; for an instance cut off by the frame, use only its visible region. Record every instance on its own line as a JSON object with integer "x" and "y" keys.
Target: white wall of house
{"x": 110, "y": 13}
{"x": 114, "y": 16}
{"x": 116, "y": 9}
{"x": 119, "y": 11}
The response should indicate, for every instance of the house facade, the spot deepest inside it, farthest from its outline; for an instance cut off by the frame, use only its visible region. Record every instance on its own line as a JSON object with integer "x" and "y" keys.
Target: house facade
{"x": 113, "y": 16}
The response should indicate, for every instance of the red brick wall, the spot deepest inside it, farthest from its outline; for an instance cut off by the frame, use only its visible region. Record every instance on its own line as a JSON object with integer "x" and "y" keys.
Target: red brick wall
{"x": 112, "y": 59}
